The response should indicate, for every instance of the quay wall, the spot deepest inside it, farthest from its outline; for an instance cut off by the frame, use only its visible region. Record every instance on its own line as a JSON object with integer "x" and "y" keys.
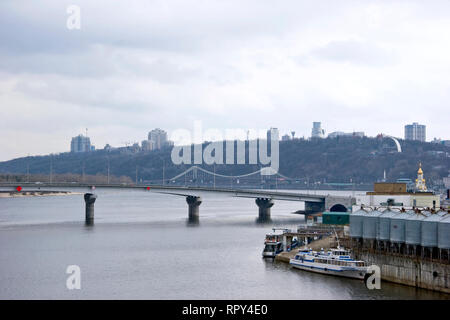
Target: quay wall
{"x": 411, "y": 271}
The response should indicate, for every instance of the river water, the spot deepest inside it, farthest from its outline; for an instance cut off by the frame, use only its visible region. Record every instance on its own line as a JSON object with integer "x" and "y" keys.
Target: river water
{"x": 141, "y": 247}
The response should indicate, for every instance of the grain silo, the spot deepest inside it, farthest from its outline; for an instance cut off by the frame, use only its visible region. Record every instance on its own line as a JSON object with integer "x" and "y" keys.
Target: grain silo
{"x": 429, "y": 231}
{"x": 397, "y": 227}
{"x": 370, "y": 225}
{"x": 384, "y": 224}
{"x": 356, "y": 223}
{"x": 413, "y": 233}
{"x": 444, "y": 233}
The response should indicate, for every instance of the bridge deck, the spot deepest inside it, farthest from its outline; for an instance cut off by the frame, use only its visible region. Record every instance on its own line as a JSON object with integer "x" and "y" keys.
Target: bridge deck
{"x": 184, "y": 191}
{"x": 177, "y": 190}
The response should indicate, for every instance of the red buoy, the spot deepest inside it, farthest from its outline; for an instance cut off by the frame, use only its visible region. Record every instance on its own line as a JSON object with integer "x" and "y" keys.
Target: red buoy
{"x": 19, "y": 188}
{"x": 148, "y": 188}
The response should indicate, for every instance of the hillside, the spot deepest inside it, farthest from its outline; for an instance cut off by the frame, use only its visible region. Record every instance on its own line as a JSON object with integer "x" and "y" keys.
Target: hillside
{"x": 331, "y": 160}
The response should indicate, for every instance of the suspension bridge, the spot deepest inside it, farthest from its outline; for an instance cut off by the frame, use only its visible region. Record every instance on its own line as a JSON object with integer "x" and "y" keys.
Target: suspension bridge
{"x": 202, "y": 176}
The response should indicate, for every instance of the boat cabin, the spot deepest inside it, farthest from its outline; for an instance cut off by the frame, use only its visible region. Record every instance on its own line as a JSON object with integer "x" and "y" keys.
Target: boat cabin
{"x": 273, "y": 238}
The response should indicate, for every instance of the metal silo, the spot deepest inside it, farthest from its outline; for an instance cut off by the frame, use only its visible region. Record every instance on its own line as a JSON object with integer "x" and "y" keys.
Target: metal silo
{"x": 430, "y": 231}
{"x": 356, "y": 223}
{"x": 413, "y": 232}
{"x": 369, "y": 229}
{"x": 444, "y": 233}
{"x": 397, "y": 227}
{"x": 384, "y": 225}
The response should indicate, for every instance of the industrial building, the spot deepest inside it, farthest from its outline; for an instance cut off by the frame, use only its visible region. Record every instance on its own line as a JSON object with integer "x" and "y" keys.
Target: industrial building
{"x": 399, "y": 195}
{"x": 398, "y": 199}
{"x": 424, "y": 233}
{"x": 335, "y": 218}
{"x": 411, "y": 247}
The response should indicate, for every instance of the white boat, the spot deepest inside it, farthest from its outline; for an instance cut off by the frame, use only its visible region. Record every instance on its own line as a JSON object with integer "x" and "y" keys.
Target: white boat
{"x": 336, "y": 262}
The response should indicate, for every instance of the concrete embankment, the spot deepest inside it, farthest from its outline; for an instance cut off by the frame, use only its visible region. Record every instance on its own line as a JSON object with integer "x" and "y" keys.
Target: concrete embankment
{"x": 39, "y": 193}
{"x": 416, "y": 272}
{"x": 396, "y": 268}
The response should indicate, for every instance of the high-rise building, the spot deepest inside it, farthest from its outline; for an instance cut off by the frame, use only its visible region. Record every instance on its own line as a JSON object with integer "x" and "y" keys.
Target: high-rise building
{"x": 317, "y": 131}
{"x": 158, "y": 138}
{"x": 272, "y": 132}
{"x": 81, "y": 143}
{"x": 415, "y": 131}
{"x": 147, "y": 145}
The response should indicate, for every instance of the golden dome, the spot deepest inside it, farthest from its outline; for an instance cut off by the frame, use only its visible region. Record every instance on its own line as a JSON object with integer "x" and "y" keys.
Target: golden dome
{"x": 420, "y": 169}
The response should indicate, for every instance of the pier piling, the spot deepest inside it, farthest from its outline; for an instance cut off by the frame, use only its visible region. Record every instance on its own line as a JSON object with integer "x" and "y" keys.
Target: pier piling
{"x": 89, "y": 199}
{"x": 264, "y": 205}
{"x": 194, "y": 206}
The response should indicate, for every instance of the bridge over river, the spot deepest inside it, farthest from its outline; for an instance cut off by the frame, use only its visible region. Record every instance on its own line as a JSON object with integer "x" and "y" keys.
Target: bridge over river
{"x": 264, "y": 199}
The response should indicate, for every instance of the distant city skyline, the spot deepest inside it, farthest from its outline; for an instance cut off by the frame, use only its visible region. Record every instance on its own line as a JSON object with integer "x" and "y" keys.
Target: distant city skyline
{"x": 158, "y": 138}
{"x": 369, "y": 66}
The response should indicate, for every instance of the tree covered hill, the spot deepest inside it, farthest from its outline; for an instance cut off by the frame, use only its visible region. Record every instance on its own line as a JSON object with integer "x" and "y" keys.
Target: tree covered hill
{"x": 331, "y": 160}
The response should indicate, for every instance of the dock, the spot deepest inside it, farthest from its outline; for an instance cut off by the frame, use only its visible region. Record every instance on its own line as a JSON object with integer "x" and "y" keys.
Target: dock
{"x": 326, "y": 242}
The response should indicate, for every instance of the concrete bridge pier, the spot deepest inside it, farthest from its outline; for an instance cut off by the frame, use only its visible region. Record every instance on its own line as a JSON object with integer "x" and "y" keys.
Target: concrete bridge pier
{"x": 194, "y": 206}
{"x": 89, "y": 199}
{"x": 264, "y": 205}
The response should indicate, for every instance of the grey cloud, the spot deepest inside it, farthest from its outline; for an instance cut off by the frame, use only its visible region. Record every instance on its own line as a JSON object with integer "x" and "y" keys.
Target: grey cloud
{"x": 87, "y": 94}
{"x": 172, "y": 26}
{"x": 356, "y": 52}
{"x": 98, "y": 63}
{"x": 164, "y": 63}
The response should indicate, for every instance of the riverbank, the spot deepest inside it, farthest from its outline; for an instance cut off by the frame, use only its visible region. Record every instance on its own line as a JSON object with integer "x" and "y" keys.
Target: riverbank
{"x": 37, "y": 193}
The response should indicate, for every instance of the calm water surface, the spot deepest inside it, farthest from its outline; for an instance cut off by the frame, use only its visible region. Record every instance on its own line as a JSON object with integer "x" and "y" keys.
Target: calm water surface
{"x": 141, "y": 247}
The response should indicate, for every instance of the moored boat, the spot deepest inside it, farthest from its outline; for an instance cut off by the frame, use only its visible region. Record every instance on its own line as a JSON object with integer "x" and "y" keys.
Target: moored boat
{"x": 336, "y": 262}
{"x": 273, "y": 244}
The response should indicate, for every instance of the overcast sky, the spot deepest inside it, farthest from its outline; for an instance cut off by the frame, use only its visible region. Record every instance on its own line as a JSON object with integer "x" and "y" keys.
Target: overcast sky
{"x": 369, "y": 66}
